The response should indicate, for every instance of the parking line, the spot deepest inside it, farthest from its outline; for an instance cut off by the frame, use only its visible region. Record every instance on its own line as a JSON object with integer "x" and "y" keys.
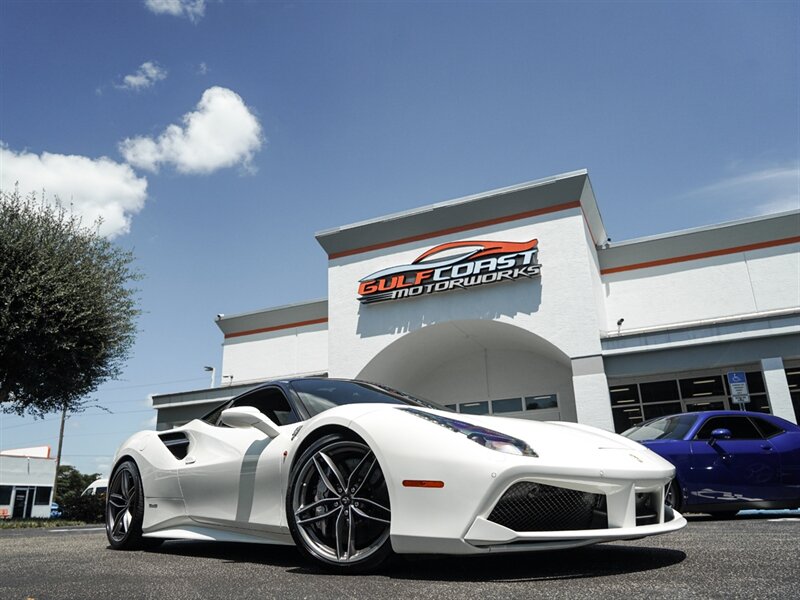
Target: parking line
{"x": 784, "y": 519}
{"x": 63, "y": 530}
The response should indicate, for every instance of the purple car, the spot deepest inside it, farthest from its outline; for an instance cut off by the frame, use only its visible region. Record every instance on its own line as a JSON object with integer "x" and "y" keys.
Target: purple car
{"x": 725, "y": 460}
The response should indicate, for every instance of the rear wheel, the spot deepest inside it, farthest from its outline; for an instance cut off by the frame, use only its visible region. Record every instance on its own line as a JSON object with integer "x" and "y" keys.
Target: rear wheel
{"x": 125, "y": 510}
{"x": 337, "y": 505}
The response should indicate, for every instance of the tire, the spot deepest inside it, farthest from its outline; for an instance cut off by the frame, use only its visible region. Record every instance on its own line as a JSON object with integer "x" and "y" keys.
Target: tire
{"x": 337, "y": 506}
{"x": 674, "y": 496}
{"x": 125, "y": 510}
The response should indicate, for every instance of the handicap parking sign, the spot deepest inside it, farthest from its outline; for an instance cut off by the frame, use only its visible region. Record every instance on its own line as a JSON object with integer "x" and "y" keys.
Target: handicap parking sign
{"x": 737, "y": 382}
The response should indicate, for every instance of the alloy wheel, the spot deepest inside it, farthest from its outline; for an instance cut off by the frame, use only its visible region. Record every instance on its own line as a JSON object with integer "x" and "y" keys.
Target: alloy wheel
{"x": 340, "y": 503}
{"x": 122, "y": 499}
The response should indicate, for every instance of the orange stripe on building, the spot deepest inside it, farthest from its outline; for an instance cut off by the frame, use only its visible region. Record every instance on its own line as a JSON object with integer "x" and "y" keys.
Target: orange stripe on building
{"x": 449, "y": 230}
{"x": 699, "y": 255}
{"x": 276, "y": 327}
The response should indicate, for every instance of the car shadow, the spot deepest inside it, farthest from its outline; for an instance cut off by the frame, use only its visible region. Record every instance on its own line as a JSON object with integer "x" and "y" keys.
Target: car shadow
{"x": 234, "y": 552}
{"x": 594, "y": 561}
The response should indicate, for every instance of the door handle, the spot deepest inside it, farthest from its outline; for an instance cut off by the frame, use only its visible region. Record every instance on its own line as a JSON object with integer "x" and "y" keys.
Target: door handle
{"x": 766, "y": 447}
{"x": 189, "y": 460}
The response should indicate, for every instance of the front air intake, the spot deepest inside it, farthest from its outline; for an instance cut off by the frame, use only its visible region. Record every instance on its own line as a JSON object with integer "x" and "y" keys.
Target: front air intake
{"x": 528, "y": 506}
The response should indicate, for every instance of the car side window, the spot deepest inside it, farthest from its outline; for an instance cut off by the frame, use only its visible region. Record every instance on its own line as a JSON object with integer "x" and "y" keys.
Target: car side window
{"x": 212, "y": 418}
{"x": 741, "y": 428}
{"x": 270, "y": 402}
{"x": 767, "y": 428}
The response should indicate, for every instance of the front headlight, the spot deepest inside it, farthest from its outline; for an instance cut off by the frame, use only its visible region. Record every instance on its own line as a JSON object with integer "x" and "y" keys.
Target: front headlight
{"x": 494, "y": 440}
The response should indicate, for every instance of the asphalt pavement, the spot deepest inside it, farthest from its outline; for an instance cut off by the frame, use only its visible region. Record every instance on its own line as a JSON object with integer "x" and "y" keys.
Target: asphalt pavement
{"x": 752, "y": 556}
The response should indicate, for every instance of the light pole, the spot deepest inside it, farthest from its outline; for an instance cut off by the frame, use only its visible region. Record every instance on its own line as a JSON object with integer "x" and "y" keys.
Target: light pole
{"x": 213, "y": 372}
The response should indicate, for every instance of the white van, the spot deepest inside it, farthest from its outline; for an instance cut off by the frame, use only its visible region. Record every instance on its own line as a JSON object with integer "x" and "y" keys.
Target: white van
{"x": 97, "y": 487}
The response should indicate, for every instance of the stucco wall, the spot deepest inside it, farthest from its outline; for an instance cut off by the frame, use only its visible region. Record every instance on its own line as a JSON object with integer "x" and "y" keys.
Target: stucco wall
{"x": 730, "y": 285}
{"x": 299, "y": 350}
{"x": 558, "y": 306}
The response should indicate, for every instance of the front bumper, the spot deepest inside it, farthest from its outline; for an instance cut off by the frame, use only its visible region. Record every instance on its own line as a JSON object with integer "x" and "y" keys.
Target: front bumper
{"x": 620, "y": 510}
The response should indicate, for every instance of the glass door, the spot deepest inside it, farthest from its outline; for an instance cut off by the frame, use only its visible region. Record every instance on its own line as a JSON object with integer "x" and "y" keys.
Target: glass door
{"x": 22, "y": 508}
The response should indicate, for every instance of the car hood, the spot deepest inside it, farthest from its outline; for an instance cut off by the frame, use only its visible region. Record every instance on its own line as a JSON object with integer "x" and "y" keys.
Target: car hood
{"x": 547, "y": 438}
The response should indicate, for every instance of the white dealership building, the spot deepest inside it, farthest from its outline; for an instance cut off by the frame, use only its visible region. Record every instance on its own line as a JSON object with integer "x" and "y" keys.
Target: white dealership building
{"x": 514, "y": 302}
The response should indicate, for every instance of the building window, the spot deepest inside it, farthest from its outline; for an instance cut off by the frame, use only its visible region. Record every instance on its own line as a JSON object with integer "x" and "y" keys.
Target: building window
{"x": 634, "y": 402}
{"x": 624, "y": 394}
{"x": 474, "y": 408}
{"x": 43, "y": 496}
{"x": 507, "y": 405}
{"x": 5, "y": 494}
{"x": 659, "y": 391}
{"x": 651, "y": 411}
{"x": 755, "y": 383}
{"x": 538, "y": 402}
{"x": 793, "y": 379}
{"x": 626, "y": 417}
{"x": 702, "y": 387}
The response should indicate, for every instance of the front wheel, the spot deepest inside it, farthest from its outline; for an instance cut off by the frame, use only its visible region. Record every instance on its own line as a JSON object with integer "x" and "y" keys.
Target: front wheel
{"x": 125, "y": 510}
{"x": 338, "y": 507}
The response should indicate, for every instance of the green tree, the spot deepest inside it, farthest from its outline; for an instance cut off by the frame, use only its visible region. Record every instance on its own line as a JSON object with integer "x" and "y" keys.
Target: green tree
{"x": 70, "y": 486}
{"x": 72, "y": 481}
{"x": 67, "y": 309}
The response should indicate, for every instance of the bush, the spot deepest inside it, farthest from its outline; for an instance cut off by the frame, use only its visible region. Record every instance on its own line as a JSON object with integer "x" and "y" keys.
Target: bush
{"x": 84, "y": 508}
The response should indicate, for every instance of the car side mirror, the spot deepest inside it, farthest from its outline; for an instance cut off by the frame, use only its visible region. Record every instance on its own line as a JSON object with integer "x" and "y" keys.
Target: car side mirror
{"x": 249, "y": 416}
{"x": 719, "y": 434}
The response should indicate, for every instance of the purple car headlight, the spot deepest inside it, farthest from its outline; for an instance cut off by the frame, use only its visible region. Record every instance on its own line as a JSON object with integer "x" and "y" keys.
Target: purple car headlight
{"x": 488, "y": 438}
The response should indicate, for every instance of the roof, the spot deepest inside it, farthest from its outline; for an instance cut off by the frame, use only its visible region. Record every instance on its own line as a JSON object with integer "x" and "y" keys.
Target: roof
{"x": 732, "y": 237}
{"x": 560, "y": 192}
{"x": 288, "y": 316}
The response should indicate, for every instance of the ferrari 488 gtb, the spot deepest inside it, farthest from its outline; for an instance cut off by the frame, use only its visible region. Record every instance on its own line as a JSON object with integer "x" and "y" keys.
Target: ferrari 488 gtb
{"x": 351, "y": 471}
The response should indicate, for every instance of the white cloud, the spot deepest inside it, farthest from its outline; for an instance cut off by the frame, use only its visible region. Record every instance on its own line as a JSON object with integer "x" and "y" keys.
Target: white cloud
{"x": 757, "y": 191}
{"x": 202, "y": 68}
{"x": 94, "y": 187}
{"x": 144, "y": 77}
{"x": 221, "y": 132}
{"x": 191, "y": 9}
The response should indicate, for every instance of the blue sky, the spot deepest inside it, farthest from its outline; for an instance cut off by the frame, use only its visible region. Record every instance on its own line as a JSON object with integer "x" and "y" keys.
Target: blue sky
{"x": 252, "y": 125}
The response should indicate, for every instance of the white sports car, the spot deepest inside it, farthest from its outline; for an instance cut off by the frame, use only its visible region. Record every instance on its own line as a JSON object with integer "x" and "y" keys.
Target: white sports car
{"x": 350, "y": 471}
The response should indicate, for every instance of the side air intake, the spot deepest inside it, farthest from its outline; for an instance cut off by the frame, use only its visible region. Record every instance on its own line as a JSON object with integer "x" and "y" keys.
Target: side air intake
{"x": 177, "y": 443}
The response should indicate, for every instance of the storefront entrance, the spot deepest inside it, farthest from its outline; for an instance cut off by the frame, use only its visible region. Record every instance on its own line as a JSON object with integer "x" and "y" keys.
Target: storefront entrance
{"x": 23, "y": 502}
{"x": 479, "y": 367}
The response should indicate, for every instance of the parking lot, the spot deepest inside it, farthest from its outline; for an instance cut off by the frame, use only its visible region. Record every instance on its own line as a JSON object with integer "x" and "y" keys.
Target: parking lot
{"x": 753, "y": 556}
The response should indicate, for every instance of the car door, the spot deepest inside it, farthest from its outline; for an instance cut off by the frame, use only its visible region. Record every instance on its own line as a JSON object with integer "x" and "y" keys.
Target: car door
{"x": 232, "y": 476}
{"x": 785, "y": 438}
{"x": 744, "y": 468}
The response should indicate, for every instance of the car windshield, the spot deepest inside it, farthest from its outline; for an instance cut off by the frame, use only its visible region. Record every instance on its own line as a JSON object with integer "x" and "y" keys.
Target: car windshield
{"x": 664, "y": 428}
{"x": 318, "y": 395}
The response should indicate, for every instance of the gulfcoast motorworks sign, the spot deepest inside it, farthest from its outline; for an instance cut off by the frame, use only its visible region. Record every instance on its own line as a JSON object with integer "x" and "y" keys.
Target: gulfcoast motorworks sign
{"x": 455, "y": 265}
